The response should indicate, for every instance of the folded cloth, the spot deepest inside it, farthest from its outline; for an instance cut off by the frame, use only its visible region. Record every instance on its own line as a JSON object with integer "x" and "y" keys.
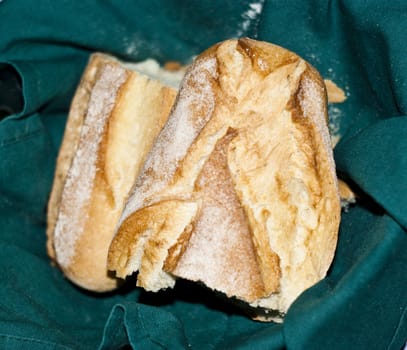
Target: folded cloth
{"x": 362, "y": 302}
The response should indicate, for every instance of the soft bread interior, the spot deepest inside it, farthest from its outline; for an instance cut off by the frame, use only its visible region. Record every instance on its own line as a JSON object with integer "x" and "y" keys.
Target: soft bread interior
{"x": 114, "y": 118}
{"x": 247, "y": 142}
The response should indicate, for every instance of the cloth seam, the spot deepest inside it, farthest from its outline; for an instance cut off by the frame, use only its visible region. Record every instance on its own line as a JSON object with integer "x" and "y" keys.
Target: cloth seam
{"x": 33, "y": 340}
{"x": 398, "y": 327}
{"x": 20, "y": 138}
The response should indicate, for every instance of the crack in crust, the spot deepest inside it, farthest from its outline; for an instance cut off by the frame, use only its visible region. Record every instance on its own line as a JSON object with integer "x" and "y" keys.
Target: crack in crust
{"x": 247, "y": 143}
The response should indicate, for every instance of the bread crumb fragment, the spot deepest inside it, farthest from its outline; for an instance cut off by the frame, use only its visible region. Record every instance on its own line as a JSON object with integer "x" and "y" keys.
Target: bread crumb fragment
{"x": 335, "y": 93}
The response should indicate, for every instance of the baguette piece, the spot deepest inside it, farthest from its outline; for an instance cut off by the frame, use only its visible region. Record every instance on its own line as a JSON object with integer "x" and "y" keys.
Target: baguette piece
{"x": 239, "y": 191}
{"x": 114, "y": 117}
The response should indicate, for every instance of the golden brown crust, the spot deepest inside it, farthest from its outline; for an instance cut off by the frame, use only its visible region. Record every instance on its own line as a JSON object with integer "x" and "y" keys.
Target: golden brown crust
{"x": 247, "y": 143}
{"x": 70, "y": 141}
{"x": 239, "y": 190}
{"x": 121, "y": 115}
{"x": 347, "y": 195}
{"x": 335, "y": 93}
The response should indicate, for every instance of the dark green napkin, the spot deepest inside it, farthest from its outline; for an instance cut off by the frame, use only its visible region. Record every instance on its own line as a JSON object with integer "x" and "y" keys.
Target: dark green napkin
{"x": 361, "y": 45}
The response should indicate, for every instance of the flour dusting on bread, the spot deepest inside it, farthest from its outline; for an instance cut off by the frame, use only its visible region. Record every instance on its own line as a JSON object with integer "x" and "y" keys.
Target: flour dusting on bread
{"x": 79, "y": 183}
{"x": 247, "y": 141}
{"x": 229, "y": 181}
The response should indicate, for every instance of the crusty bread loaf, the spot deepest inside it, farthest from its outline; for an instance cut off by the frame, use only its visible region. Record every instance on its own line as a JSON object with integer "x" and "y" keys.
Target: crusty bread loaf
{"x": 114, "y": 117}
{"x": 239, "y": 191}
{"x": 70, "y": 142}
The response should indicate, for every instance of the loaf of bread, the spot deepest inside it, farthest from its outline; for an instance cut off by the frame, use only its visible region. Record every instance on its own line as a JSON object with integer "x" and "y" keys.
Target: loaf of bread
{"x": 239, "y": 191}
{"x": 114, "y": 118}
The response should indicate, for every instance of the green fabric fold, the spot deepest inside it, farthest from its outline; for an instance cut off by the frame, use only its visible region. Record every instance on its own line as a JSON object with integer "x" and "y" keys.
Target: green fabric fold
{"x": 144, "y": 327}
{"x": 376, "y": 159}
{"x": 359, "y": 45}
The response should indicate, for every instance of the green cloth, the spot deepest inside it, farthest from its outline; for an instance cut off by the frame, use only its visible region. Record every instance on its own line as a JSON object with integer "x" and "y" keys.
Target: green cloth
{"x": 361, "y": 45}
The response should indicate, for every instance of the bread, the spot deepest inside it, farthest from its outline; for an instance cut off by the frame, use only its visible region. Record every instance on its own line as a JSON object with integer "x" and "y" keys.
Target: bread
{"x": 115, "y": 115}
{"x": 239, "y": 191}
{"x": 334, "y": 92}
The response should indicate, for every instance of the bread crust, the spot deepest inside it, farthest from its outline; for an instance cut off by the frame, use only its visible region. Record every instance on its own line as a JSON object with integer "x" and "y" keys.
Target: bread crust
{"x": 235, "y": 188}
{"x": 115, "y": 115}
{"x": 249, "y": 128}
{"x": 70, "y": 142}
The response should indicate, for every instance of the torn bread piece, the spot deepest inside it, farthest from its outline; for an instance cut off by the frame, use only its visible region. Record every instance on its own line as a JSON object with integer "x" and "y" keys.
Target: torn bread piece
{"x": 337, "y": 95}
{"x": 334, "y": 92}
{"x": 114, "y": 118}
{"x": 239, "y": 191}
{"x": 348, "y": 197}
